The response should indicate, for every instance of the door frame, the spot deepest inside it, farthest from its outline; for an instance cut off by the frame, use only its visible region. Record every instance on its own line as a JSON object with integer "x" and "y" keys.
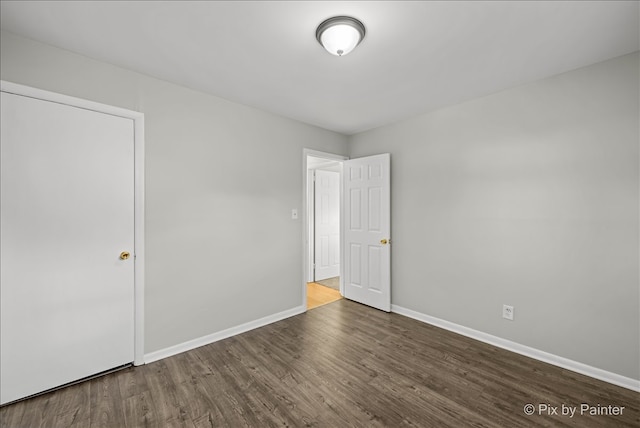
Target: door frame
{"x": 307, "y": 239}
{"x": 138, "y": 253}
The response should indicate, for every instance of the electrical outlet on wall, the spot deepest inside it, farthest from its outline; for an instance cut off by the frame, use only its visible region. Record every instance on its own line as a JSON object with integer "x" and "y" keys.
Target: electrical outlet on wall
{"x": 507, "y": 312}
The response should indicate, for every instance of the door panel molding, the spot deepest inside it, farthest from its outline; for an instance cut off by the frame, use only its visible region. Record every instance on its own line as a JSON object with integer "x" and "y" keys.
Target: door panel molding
{"x": 367, "y": 232}
{"x": 327, "y": 224}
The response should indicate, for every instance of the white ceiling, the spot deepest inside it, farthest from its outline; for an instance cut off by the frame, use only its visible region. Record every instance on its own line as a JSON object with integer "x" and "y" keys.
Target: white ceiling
{"x": 416, "y": 57}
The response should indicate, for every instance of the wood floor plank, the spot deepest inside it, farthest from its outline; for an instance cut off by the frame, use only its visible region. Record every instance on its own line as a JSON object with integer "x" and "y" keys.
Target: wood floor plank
{"x": 203, "y": 410}
{"x": 227, "y": 390}
{"x": 74, "y": 406}
{"x": 169, "y": 405}
{"x": 105, "y": 402}
{"x": 271, "y": 389}
{"x": 41, "y": 412}
{"x": 131, "y": 382}
{"x": 139, "y": 411}
{"x": 11, "y": 416}
{"x": 340, "y": 365}
{"x": 318, "y": 295}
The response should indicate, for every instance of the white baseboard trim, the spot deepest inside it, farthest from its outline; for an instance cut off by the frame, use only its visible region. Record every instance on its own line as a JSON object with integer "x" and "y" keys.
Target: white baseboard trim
{"x": 565, "y": 363}
{"x": 214, "y": 337}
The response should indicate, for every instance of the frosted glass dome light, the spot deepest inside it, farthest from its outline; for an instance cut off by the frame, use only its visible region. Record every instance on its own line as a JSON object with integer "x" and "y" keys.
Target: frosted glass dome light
{"x": 340, "y": 35}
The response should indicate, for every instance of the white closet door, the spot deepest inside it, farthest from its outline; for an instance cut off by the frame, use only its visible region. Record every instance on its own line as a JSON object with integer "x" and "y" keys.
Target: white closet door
{"x": 67, "y": 214}
{"x": 367, "y": 216}
{"x": 327, "y": 225}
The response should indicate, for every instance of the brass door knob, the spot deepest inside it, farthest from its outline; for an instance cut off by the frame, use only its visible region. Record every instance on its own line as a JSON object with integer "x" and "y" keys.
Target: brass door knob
{"x": 384, "y": 241}
{"x": 124, "y": 255}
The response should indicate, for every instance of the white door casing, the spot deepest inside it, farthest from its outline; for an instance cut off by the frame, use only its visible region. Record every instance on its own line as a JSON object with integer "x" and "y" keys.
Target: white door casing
{"x": 367, "y": 240}
{"x": 67, "y": 213}
{"x": 327, "y": 224}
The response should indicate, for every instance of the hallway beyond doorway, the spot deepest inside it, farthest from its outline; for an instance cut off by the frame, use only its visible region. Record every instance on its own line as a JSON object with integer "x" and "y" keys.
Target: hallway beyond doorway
{"x": 330, "y": 282}
{"x": 318, "y": 295}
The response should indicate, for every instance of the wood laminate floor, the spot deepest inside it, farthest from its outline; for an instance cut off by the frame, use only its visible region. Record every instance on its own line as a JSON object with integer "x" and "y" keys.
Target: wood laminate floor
{"x": 340, "y": 365}
{"x": 330, "y": 282}
{"x": 318, "y": 295}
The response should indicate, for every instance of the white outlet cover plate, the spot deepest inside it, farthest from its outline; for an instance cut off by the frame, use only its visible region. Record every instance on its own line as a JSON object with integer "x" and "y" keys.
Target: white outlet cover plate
{"x": 507, "y": 312}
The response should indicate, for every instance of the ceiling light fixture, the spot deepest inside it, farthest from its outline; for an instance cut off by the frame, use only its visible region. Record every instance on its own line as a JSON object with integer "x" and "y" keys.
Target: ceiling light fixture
{"x": 340, "y": 35}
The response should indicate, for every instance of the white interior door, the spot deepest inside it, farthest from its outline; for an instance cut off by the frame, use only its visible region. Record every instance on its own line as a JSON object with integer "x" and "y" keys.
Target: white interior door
{"x": 367, "y": 214}
{"x": 67, "y": 214}
{"x": 327, "y": 224}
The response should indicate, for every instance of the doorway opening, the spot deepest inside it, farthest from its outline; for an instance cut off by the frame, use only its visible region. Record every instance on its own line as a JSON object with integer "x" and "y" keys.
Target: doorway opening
{"x": 364, "y": 242}
{"x": 323, "y": 230}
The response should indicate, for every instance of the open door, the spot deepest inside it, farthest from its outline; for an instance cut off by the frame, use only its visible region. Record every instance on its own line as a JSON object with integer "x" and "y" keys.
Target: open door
{"x": 367, "y": 243}
{"x": 327, "y": 224}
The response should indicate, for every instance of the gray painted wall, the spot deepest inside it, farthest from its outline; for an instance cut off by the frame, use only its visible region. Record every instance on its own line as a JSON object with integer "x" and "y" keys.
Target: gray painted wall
{"x": 528, "y": 197}
{"x": 221, "y": 180}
